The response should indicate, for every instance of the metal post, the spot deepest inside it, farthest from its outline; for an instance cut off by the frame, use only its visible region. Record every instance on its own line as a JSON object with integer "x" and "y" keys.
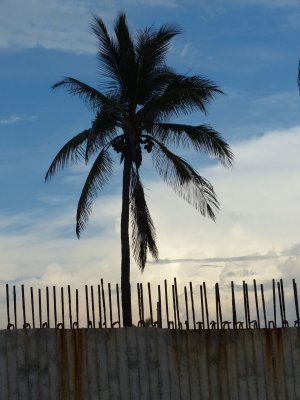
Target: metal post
{"x": 110, "y": 305}
{"x": 40, "y": 308}
{"x": 47, "y": 306}
{"x": 206, "y": 305}
{"x": 7, "y": 307}
{"x": 93, "y": 306}
{"x": 186, "y": 309}
{"x": 87, "y": 307}
{"x": 103, "y": 302}
{"x": 177, "y": 303}
{"x": 202, "y": 308}
{"x": 62, "y": 307}
{"x": 166, "y": 300}
{"x": 274, "y": 301}
{"x": 32, "y": 307}
{"x": 150, "y": 303}
{"x": 54, "y": 305}
{"x": 256, "y": 302}
{"x": 263, "y": 303}
{"x": 15, "y": 305}
{"x": 234, "y": 319}
{"x": 297, "y": 322}
{"x": 174, "y": 306}
{"x": 70, "y": 306}
{"x": 99, "y": 307}
{"x": 118, "y": 304}
{"x": 23, "y": 307}
{"x": 192, "y": 303}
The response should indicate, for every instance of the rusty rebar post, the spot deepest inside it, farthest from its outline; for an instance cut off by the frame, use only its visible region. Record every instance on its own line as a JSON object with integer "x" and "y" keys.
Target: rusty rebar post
{"x": 77, "y": 308}
{"x": 110, "y": 306}
{"x": 93, "y": 307}
{"x": 142, "y": 301}
{"x": 62, "y": 307}
{"x": 24, "y": 307}
{"x": 245, "y": 306}
{"x": 7, "y": 307}
{"x": 217, "y": 305}
{"x": 32, "y": 307}
{"x": 103, "y": 303}
{"x": 280, "y": 303}
{"x": 150, "y": 303}
{"x": 99, "y": 307}
{"x": 174, "y": 306}
{"x": 187, "y": 324}
{"x": 139, "y": 301}
{"x": 40, "y": 307}
{"x": 48, "y": 307}
{"x": 256, "y": 303}
{"x": 159, "y": 311}
{"x": 15, "y": 305}
{"x": 167, "y": 303}
{"x": 201, "y": 323}
{"x": 177, "y": 304}
{"x": 263, "y": 304}
{"x": 297, "y": 322}
{"x": 141, "y": 321}
{"x": 234, "y": 318}
{"x": 274, "y": 302}
{"x": 206, "y": 305}
{"x": 248, "y": 305}
{"x": 70, "y": 307}
{"x": 118, "y": 305}
{"x": 54, "y": 306}
{"x": 87, "y": 307}
{"x": 219, "y": 308}
{"x": 283, "y": 301}
{"x": 192, "y": 304}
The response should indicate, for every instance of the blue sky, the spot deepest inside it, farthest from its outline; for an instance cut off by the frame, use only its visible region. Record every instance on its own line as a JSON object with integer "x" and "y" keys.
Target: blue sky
{"x": 249, "y": 47}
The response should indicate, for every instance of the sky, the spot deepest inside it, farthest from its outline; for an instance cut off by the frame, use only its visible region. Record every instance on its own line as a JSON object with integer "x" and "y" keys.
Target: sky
{"x": 250, "y": 48}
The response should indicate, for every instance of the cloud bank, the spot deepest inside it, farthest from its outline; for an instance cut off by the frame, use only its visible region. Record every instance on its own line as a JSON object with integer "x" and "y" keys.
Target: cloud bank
{"x": 257, "y": 229}
{"x": 65, "y": 25}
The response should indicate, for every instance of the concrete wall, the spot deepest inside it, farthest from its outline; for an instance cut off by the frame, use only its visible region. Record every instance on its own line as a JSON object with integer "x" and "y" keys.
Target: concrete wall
{"x": 149, "y": 363}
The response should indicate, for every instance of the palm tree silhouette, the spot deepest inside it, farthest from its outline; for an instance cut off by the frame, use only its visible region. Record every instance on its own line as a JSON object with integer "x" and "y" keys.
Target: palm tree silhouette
{"x": 132, "y": 115}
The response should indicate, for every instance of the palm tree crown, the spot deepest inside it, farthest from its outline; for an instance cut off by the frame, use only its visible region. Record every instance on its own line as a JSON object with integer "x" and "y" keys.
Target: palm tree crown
{"x": 132, "y": 118}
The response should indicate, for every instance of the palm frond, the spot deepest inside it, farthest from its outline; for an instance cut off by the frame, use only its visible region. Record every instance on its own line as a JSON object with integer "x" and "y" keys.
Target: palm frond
{"x": 152, "y": 83}
{"x": 98, "y": 176}
{"x": 91, "y": 96}
{"x": 184, "y": 180}
{"x": 127, "y": 65}
{"x": 143, "y": 230}
{"x": 202, "y": 138}
{"x": 182, "y": 96}
{"x": 72, "y": 152}
{"x": 104, "y": 129}
{"x": 152, "y": 45}
{"x": 151, "y": 49}
{"x": 108, "y": 54}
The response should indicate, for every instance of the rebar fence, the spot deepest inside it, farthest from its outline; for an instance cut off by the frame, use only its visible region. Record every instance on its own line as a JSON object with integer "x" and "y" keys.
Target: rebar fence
{"x": 163, "y": 306}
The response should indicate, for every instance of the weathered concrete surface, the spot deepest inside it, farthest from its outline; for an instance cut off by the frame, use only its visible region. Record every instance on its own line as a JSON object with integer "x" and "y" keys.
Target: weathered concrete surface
{"x": 149, "y": 363}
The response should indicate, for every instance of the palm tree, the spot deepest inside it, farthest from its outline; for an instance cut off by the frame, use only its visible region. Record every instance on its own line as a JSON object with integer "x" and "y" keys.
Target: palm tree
{"x": 132, "y": 118}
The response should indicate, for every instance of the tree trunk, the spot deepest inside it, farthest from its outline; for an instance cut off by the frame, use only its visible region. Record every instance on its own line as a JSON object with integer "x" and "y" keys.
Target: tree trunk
{"x": 125, "y": 246}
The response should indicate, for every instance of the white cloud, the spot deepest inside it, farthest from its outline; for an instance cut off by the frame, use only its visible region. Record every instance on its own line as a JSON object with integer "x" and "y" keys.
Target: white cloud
{"x": 64, "y": 25}
{"x": 55, "y": 24}
{"x": 256, "y": 235}
{"x": 14, "y": 118}
{"x": 51, "y": 25}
